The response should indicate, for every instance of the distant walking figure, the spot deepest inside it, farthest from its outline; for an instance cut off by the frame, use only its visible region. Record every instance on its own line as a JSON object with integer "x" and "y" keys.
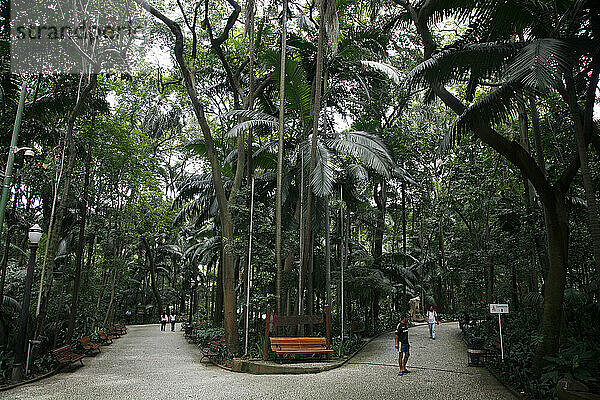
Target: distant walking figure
{"x": 402, "y": 344}
{"x": 164, "y": 318}
{"x": 432, "y": 319}
{"x": 172, "y": 318}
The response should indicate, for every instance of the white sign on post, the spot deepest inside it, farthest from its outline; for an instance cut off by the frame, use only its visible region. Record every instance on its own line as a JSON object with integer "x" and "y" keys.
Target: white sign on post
{"x": 499, "y": 309}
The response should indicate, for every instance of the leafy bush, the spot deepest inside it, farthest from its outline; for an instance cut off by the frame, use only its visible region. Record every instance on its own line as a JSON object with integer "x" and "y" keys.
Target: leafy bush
{"x": 6, "y": 359}
{"x": 348, "y": 346}
{"x": 203, "y": 337}
{"x": 576, "y": 360}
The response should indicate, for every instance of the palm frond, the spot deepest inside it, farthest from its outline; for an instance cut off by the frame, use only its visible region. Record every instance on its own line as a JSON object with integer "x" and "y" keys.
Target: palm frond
{"x": 12, "y": 303}
{"x": 388, "y": 70}
{"x": 251, "y": 114}
{"x": 538, "y": 64}
{"x": 367, "y": 148}
{"x": 494, "y": 109}
{"x": 441, "y": 9}
{"x": 323, "y": 176}
{"x": 453, "y": 63}
{"x": 250, "y": 124}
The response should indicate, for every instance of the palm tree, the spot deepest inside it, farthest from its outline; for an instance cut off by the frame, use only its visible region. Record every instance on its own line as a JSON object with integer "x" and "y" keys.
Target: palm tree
{"x": 542, "y": 62}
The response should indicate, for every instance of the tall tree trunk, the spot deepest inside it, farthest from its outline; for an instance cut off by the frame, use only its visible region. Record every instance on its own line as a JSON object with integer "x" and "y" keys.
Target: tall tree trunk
{"x": 112, "y": 297}
{"x": 59, "y": 313}
{"x": 541, "y": 242}
{"x": 380, "y": 198}
{"x": 227, "y": 263}
{"x": 315, "y": 134}
{"x": 218, "y": 310}
{"x": 54, "y": 238}
{"x": 310, "y": 295}
{"x": 90, "y": 257}
{"x": 403, "y": 188}
{"x": 80, "y": 247}
{"x": 249, "y": 28}
{"x": 280, "y": 157}
{"x": 153, "y": 283}
{"x": 557, "y": 223}
{"x": 99, "y": 299}
{"x": 327, "y": 255}
{"x": 582, "y": 145}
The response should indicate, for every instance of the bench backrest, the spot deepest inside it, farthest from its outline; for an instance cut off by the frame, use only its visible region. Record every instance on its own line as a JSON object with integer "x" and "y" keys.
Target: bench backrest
{"x": 298, "y": 342}
{"x": 63, "y": 352}
{"x": 279, "y": 320}
{"x": 85, "y": 340}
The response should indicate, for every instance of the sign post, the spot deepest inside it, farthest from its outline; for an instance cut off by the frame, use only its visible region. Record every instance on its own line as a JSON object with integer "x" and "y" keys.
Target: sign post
{"x": 499, "y": 309}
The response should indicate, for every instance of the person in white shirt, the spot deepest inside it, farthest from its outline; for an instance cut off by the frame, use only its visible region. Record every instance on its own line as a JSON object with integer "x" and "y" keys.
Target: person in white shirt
{"x": 432, "y": 319}
{"x": 164, "y": 318}
{"x": 172, "y": 319}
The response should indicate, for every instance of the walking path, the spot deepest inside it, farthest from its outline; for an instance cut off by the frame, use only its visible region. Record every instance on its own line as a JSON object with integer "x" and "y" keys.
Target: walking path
{"x": 147, "y": 363}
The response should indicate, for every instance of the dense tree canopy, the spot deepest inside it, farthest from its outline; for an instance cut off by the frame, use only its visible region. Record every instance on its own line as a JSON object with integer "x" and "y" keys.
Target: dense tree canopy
{"x": 446, "y": 150}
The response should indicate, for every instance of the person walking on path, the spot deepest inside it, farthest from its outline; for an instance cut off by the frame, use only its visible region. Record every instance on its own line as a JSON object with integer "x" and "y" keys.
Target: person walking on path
{"x": 432, "y": 319}
{"x": 173, "y": 318}
{"x": 164, "y": 318}
{"x": 402, "y": 344}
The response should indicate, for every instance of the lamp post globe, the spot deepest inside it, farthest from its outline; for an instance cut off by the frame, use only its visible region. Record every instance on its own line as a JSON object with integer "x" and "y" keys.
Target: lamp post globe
{"x": 35, "y": 234}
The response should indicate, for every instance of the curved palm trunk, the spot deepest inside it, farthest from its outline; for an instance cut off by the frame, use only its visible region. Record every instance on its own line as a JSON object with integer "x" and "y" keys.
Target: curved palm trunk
{"x": 551, "y": 195}
{"x": 228, "y": 265}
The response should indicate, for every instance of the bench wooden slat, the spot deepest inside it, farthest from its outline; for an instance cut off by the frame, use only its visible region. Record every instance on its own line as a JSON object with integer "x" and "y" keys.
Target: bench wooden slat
{"x": 90, "y": 347}
{"x": 64, "y": 355}
{"x": 299, "y": 345}
{"x": 212, "y": 350}
{"x": 104, "y": 338}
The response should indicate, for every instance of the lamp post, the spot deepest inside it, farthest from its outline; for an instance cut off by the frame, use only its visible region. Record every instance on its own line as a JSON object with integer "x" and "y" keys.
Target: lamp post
{"x": 35, "y": 234}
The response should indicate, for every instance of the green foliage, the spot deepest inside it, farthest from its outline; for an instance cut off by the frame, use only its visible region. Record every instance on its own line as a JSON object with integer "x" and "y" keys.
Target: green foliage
{"x": 204, "y": 336}
{"x": 347, "y": 346}
{"x": 578, "y": 360}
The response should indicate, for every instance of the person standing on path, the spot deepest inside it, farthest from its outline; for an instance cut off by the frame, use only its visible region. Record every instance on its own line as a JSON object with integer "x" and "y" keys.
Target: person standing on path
{"x": 432, "y": 319}
{"x": 164, "y": 318}
{"x": 173, "y": 318}
{"x": 402, "y": 344}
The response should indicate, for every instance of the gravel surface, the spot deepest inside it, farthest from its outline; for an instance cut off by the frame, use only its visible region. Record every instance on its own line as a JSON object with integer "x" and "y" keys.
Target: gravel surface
{"x": 147, "y": 363}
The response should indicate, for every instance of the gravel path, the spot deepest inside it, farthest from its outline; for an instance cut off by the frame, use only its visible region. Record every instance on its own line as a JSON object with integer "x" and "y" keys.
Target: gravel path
{"x": 147, "y": 363}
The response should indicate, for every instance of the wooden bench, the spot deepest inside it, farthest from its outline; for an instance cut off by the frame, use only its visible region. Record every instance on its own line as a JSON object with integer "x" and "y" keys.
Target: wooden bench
{"x": 189, "y": 329}
{"x": 299, "y": 345}
{"x": 64, "y": 355}
{"x": 89, "y": 347}
{"x": 493, "y": 349}
{"x": 121, "y": 328}
{"x": 213, "y": 350}
{"x": 104, "y": 338}
{"x": 357, "y": 328}
{"x": 115, "y": 333}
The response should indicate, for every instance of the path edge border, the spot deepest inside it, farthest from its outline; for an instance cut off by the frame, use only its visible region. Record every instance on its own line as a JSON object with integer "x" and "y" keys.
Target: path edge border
{"x": 283, "y": 370}
{"x": 37, "y": 378}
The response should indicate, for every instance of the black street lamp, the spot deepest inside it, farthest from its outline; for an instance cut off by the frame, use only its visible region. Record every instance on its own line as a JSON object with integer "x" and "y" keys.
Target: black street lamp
{"x": 35, "y": 234}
